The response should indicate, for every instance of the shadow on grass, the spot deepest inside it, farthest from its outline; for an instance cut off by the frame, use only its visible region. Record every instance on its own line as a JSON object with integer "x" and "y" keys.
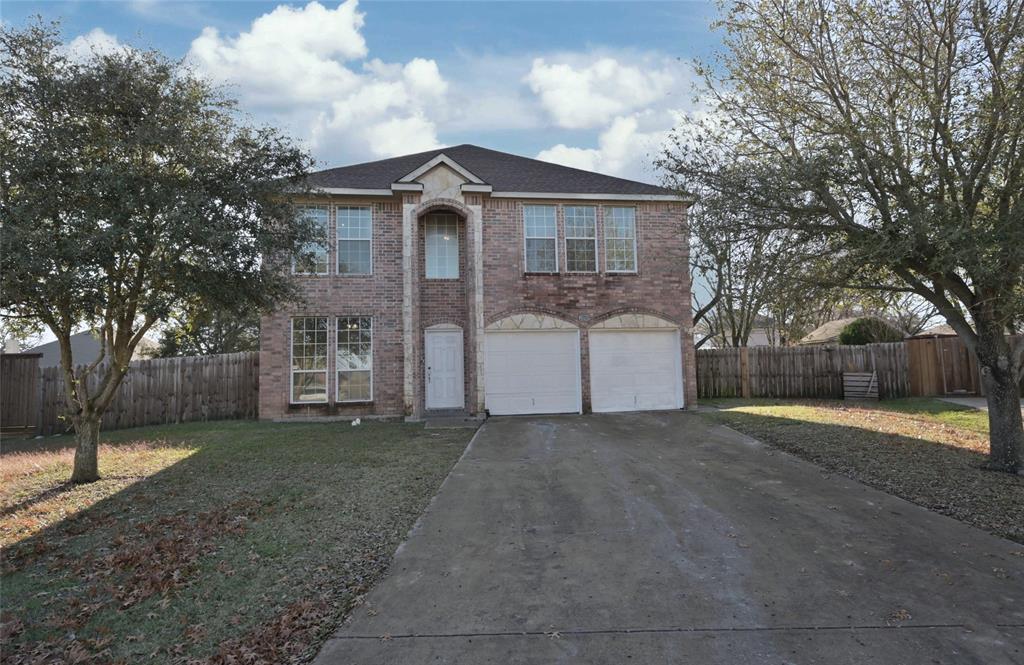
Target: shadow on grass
{"x": 938, "y": 467}
{"x": 258, "y": 540}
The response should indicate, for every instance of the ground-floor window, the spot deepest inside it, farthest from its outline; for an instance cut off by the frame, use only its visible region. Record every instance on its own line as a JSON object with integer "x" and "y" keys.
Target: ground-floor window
{"x": 354, "y": 359}
{"x": 309, "y": 359}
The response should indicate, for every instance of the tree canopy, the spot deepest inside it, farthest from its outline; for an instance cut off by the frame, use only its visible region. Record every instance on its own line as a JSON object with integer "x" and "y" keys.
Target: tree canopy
{"x": 129, "y": 187}
{"x": 888, "y": 138}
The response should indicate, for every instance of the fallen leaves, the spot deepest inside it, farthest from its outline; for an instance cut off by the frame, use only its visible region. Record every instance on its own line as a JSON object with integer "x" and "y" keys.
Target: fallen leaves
{"x": 250, "y": 550}
{"x": 915, "y": 455}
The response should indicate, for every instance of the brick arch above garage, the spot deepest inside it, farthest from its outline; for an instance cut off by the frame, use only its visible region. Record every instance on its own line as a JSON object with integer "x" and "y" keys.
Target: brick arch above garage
{"x": 634, "y": 320}
{"x": 530, "y": 320}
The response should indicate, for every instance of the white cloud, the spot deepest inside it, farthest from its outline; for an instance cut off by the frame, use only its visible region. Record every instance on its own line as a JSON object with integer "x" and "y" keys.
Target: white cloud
{"x": 308, "y": 69}
{"x": 625, "y": 148}
{"x": 96, "y": 41}
{"x": 305, "y": 68}
{"x": 288, "y": 56}
{"x": 579, "y": 94}
{"x": 632, "y": 100}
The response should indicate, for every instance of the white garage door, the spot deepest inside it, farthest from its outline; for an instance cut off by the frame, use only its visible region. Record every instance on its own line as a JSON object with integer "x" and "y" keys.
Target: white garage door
{"x": 532, "y": 372}
{"x": 635, "y": 370}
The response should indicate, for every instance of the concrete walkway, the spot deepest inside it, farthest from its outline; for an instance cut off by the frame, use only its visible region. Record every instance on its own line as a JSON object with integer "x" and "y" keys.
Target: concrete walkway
{"x": 979, "y": 403}
{"x": 658, "y": 538}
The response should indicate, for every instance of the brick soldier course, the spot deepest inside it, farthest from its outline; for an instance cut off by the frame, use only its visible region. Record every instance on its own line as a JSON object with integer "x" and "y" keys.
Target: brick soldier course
{"x": 486, "y": 191}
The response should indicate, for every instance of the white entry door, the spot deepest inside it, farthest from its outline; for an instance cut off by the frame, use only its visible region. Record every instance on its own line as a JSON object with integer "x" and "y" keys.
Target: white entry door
{"x": 443, "y": 366}
{"x": 635, "y": 370}
{"x": 528, "y": 372}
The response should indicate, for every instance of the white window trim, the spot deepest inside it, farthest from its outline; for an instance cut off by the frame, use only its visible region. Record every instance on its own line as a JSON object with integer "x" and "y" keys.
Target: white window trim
{"x": 337, "y": 382}
{"x": 337, "y": 243}
{"x": 327, "y": 242}
{"x": 526, "y": 258}
{"x": 291, "y": 362}
{"x": 567, "y": 238}
{"x": 458, "y": 257}
{"x": 636, "y": 256}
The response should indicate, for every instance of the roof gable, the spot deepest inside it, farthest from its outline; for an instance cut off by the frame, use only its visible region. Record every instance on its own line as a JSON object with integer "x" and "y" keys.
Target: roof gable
{"x": 504, "y": 172}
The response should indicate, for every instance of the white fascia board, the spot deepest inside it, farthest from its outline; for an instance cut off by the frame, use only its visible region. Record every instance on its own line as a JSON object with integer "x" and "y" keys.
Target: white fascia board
{"x": 447, "y": 161}
{"x": 592, "y": 197}
{"x": 353, "y": 191}
{"x": 474, "y": 188}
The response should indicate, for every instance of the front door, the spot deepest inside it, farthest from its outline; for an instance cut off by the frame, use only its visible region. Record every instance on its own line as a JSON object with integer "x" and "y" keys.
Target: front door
{"x": 443, "y": 365}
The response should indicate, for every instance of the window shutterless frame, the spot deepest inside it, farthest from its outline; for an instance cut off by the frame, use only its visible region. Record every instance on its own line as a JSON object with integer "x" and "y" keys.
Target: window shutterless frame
{"x": 441, "y": 246}
{"x": 353, "y": 240}
{"x": 309, "y": 336}
{"x": 540, "y": 225}
{"x": 620, "y": 235}
{"x": 580, "y": 233}
{"x": 354, "y": 349}
{"x": 321, "y": 255}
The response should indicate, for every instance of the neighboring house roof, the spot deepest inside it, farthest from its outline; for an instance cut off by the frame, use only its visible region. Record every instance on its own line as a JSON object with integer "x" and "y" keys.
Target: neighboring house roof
{"x": 827, "y": 333}
{"x": 85, "y": 347}
{"x": 504, "y": 172}
{"x": 942, "y": 330}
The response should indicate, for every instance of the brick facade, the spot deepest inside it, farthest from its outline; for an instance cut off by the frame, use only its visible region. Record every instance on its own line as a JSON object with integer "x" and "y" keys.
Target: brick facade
{"x": 661, "y": 286}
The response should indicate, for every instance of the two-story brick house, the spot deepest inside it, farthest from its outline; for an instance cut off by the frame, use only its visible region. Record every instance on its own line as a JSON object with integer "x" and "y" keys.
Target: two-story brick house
{"x": 465, "y": 279}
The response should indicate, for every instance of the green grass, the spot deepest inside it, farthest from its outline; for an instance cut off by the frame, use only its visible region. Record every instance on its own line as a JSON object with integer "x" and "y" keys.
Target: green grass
{"x": 925, "y": 450}
{"x": 936, "y": 410}
{"x": 207, "y": 541}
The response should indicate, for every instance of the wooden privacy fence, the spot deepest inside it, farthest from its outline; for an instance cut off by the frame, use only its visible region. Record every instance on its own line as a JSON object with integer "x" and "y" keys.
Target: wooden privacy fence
{"x": 165, "y": 390}
{"x": 802, "y": 371}
{"x": 19, "y": 392}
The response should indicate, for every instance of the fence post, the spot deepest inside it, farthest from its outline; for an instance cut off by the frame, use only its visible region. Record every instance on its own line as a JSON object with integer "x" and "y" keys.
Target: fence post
{"x": 744, "y": 372}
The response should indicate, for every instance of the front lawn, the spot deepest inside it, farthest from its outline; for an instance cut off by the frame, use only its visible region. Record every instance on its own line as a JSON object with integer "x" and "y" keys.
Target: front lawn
{"x": 923, "y": 450}
{"x": 224, "y": 542}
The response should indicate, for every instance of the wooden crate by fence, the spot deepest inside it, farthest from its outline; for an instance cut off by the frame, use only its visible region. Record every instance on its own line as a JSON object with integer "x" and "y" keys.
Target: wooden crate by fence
{"x": 19, "y": 392}
{"x": 807, "y": 371}
{"x": 167, "y": 390}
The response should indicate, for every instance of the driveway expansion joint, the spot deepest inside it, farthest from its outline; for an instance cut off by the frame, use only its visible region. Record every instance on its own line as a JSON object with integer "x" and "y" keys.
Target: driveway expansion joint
{"x": 669, "y": 630}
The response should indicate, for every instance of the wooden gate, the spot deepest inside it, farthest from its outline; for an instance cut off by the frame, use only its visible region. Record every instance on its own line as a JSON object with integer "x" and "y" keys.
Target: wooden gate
{"x": 19, "y": 392}
{"x": 942, "y": 366}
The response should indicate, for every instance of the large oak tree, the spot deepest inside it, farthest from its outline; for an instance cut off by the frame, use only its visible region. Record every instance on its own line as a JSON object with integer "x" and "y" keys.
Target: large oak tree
{"x": 130, "y": 186}
{"x": 888, "y": 135}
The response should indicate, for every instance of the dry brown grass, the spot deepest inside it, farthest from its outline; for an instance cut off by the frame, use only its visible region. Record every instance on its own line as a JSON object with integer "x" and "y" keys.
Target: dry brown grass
{"x": 35, "y": 494}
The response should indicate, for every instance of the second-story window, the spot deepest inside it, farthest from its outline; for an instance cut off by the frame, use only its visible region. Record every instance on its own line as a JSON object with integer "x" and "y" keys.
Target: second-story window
{"x": 312, "y": 259}
{"x": 441, "y": 246}
{"x": 355, "y": 240}
{"x": 580, "y": 239}
{"x": 620, "y": 239}
{"x": 541, "y": 233}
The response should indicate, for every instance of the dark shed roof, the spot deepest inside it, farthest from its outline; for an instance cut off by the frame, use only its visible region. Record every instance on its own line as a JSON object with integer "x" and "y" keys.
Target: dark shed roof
{"x": 503, "y": 171}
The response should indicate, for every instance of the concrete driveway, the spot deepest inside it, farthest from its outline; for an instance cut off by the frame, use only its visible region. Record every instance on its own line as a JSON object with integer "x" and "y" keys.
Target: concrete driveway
{"x": 659, "y": 538}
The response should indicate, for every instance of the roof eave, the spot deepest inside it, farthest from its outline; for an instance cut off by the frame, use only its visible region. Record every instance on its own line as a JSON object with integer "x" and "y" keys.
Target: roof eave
{"x": 679, "y": 198}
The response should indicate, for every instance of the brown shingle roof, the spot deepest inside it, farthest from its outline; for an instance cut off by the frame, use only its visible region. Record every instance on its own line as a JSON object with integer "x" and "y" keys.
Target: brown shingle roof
{"x": 503, "y": 171}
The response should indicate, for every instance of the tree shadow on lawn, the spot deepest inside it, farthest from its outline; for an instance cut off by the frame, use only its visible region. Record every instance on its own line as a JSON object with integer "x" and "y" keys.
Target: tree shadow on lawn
{"x": 930, "y": 469}
{"x": 255, "y": 543}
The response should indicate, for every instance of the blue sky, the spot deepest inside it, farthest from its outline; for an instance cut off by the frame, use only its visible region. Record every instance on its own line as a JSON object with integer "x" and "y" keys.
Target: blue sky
{"x": 593, "y": 85}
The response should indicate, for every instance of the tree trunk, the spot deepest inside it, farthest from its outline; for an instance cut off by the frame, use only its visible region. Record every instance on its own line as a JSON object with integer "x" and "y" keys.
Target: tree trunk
{"x": 87, "y": 439}
{"x": 1006, "y": 430}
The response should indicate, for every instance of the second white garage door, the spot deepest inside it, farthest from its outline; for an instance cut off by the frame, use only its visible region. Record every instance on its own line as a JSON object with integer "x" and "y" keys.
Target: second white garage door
{"x": 635, "y": 370}
{"x": 532, "y": 372}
